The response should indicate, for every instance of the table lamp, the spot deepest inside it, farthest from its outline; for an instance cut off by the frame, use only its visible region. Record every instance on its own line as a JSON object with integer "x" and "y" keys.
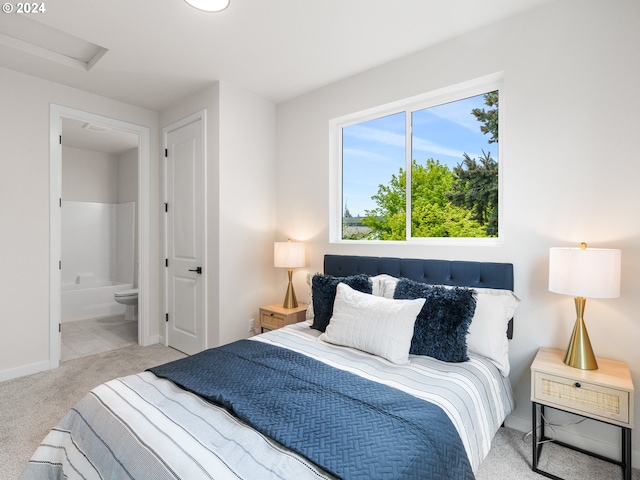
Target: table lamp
{"x": 584, "y": 273}
{"x": 289, "y": 255}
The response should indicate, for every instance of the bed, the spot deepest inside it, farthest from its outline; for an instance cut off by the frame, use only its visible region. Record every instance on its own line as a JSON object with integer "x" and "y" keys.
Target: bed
{"x": 338, "y": 396}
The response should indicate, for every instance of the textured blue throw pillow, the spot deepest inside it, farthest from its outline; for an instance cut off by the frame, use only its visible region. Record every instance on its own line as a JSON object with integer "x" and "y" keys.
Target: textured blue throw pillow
{"x": 323, "y": 292}
{"x": 441, "y": 328}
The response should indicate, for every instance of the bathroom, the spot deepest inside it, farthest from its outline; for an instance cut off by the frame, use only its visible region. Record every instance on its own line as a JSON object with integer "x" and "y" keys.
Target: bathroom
{"x": 99, "y": 231}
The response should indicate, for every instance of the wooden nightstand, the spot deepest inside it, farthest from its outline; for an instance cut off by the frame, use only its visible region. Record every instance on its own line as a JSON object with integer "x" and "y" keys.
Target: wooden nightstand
{"x": 276, "y": 316}
{"x": 605, "y": 394}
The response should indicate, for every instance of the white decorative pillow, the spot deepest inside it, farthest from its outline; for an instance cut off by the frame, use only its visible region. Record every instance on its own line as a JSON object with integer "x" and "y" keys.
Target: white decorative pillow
{"x": 376, "y": 325}
{"x": 488, "y": 330}
{"x": 309, "y": 313}
{"x": 384, "y": 285}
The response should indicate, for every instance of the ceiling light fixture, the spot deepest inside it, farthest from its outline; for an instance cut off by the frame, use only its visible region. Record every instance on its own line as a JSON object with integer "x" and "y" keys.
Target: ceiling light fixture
{"x": 209, "y": 5}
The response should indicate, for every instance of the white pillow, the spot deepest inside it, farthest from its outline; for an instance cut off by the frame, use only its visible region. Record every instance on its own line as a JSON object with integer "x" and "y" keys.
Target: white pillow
{"x": 384, "y": 285}
{"x": 488, "y": 330}
{"x": 376, "y": 325}
{"x": 309, "y": 313}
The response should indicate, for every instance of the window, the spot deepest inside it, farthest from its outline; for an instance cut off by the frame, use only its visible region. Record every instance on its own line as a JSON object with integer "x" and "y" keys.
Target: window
{"x": 425, "y": 168}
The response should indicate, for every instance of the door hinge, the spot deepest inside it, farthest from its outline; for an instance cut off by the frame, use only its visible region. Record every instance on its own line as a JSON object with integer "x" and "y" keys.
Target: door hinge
{"x": 166, "y": 317}
{"x": 166, "y": 262}
{"x": 59, "y": 328}
{"x": 166, "y": 152}
{"x": 59, "y": 264}
{"x": 166, "y": 207}
{"x": 60, "y": 139}
{"x": 61, "y": 202}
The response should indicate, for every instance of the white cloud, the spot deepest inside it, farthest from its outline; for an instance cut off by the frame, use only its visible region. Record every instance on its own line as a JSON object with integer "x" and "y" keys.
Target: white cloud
{"x": 376, "y": 135}
{"x": 363, "y": 154}
{"x": 428, "y": 146}
{"x": 459, "y": 112}
{"x": 398, "y": 140}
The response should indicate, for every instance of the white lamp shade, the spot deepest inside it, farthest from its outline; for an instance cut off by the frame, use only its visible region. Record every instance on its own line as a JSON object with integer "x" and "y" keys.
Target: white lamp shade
{"x": 588, "y": 273}
{"x": 288, "y": 254}
{"x": 209, "y": 5}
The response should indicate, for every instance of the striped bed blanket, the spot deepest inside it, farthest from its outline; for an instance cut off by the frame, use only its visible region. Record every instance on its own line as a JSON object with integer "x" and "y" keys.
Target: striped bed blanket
{"x": 146, "y": 427}
{"x": 350, "y": 426}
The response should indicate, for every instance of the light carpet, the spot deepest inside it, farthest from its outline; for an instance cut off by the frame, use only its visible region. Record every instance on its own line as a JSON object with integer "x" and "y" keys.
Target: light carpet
{"x": 31, "y": 406}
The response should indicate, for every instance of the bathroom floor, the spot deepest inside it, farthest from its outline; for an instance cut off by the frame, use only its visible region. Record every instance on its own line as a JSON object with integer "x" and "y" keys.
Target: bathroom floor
{"x": 97, "y": 335}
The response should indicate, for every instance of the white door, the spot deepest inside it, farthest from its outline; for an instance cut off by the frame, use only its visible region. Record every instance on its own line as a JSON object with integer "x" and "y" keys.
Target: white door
{"x": 184, "y": 235}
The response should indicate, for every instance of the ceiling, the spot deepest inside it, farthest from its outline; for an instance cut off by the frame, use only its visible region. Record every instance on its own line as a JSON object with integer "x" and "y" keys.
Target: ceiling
{"x": 80, "y": 134}
{"x": 159, "y": 51}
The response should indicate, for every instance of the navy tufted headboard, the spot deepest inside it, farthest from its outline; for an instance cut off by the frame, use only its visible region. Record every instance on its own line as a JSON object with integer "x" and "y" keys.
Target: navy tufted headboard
{"x": 434, "y": 272}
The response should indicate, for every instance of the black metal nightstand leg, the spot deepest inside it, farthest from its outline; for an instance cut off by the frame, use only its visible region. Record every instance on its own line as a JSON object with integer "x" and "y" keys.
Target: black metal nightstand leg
{"x": 534, "y": 436}
{"x": 626, "y": 453}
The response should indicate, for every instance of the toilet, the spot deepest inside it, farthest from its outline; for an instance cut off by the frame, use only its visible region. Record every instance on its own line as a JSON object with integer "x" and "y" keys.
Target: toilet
{"x": 128, "y": 298}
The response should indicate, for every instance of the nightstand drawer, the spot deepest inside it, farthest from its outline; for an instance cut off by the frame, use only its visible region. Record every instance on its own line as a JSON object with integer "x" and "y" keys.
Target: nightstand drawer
{"x": 276, "y": 316}
{"x": 271, "y": 321}
{"x": 584, "y": 398}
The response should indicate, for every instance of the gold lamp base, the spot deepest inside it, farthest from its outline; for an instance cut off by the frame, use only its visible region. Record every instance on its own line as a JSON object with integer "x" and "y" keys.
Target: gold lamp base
{"x": 290, "y": 298}
{"x": 579, "y": 353}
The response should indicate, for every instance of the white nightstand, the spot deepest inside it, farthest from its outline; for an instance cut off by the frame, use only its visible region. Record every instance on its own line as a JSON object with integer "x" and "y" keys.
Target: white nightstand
{"x": 276, "y": 316}
{"x": 605, "y": 394}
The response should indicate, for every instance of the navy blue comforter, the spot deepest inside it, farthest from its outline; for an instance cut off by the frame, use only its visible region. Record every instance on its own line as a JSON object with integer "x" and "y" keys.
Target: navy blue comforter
{"x": 350, "y": 426}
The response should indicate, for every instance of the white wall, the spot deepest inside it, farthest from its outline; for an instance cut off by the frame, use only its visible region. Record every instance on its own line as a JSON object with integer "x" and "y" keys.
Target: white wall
{"x": 128, "y": 192}
{"x": 247, "y": 208}
{"x": 571, "y": 169}
{"x": 240, "y": 212}
{"x": 89, "y": 176}
{"x": 128, "y": 176}
{"x": 24, "y": 193}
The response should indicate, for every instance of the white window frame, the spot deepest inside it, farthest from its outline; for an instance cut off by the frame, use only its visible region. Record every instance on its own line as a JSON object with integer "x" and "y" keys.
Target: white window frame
{"x": 452, "y": 93}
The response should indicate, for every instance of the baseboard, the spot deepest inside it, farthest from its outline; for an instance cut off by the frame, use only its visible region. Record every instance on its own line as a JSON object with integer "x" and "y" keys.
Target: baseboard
{"x": 518, "y": 423}
{"x": 23, "y": 371}
{"x": 154, "y": 340}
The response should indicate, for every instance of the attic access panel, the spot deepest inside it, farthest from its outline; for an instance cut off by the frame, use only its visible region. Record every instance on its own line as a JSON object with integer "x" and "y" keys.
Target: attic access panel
{"x": 25, "y": 35}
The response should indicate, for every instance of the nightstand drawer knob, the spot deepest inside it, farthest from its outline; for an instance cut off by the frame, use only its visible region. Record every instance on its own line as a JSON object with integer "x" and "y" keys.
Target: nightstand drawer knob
{"x": 577, "y": 385}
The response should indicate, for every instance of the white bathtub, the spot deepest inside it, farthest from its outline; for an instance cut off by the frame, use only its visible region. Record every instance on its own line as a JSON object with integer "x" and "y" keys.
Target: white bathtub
{"x": 83, "y": 301}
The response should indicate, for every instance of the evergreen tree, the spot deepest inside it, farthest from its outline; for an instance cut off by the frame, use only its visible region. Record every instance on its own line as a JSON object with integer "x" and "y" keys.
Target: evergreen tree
{"x": 489, "y": 119}
{"x": 475, "y": 187}
{"x": 475, "y": 184}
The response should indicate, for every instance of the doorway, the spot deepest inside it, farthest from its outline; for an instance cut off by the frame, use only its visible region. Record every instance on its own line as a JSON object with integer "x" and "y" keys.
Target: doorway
{"x": 61, "y": 118}
{"x": 99, "y": 227}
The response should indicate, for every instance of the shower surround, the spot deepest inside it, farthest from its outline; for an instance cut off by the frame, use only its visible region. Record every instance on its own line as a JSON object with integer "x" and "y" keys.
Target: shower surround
{"x": 98, "y": 251}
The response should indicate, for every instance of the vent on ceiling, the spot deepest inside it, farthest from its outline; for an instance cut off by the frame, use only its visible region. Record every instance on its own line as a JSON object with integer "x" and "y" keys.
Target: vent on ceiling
{"x": 32, "y": 37}
{"x": 95, "y": 128}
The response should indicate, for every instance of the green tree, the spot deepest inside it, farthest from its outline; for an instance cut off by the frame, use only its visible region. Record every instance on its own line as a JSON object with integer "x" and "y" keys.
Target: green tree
{"x": 489, "y": 118}
{"x": 475, "y": 183}
{"x": 387, "y": 221}
{"x": 475, "y": 187}
{"x": 432, "y": 213}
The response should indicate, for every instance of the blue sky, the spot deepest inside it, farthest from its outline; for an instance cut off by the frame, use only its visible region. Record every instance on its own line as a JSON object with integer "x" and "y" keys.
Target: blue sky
{"x": 375, "y": 150}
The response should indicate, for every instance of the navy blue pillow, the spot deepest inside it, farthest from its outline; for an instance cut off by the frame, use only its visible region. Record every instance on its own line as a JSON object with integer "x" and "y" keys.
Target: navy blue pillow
{"x": 441, "y": 328}
{"x": 323, "y": 292}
